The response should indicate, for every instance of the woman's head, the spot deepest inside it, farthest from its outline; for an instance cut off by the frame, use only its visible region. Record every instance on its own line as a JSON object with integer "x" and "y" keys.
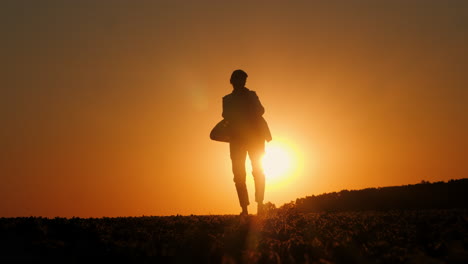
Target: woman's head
{"x": 238, "y": 78}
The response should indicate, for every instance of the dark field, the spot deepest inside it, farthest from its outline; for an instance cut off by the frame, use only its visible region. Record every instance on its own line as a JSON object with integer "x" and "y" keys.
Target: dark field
{"x": 282, "y": 236}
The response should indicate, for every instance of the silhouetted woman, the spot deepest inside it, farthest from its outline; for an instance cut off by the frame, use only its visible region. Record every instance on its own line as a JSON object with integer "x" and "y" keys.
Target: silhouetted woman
{"x": 243, "y": 112}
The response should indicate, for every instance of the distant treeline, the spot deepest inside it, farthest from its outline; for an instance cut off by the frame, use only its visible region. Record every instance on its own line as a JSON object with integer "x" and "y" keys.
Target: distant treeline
{"x": 425, "y": 195}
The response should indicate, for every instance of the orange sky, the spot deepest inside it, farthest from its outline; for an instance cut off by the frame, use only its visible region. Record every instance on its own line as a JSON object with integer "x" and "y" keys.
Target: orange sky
{"x": 106, "y": 108}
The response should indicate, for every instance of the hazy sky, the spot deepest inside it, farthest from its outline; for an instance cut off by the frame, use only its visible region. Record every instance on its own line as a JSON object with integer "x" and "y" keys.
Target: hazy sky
{"x": 106, "y": 106}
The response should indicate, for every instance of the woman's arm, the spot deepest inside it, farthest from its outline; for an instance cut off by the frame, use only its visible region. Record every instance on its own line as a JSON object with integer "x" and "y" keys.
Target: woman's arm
{"x": 257, "y": 107}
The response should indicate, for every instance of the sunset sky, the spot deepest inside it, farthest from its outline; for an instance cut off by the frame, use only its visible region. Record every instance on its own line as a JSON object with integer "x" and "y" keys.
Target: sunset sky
{"x": 106, "y": 106}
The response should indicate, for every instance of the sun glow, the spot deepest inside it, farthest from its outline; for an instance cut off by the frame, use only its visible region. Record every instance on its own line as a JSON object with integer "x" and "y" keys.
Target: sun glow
{"x": 276, "y": 162}
{"x": 280, "y": 163}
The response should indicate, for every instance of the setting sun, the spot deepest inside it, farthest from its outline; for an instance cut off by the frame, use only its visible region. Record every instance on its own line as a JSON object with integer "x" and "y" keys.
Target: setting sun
{"x": 280, "y": 162}
{"x": 277, "y": 161}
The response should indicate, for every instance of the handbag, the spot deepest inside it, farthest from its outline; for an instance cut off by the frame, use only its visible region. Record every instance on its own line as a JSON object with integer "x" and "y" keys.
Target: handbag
{"x": 221, "y": 131}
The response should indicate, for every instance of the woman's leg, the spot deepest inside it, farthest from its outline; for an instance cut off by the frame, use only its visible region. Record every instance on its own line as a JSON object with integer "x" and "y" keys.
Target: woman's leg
{"x": 238, "y": 156}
